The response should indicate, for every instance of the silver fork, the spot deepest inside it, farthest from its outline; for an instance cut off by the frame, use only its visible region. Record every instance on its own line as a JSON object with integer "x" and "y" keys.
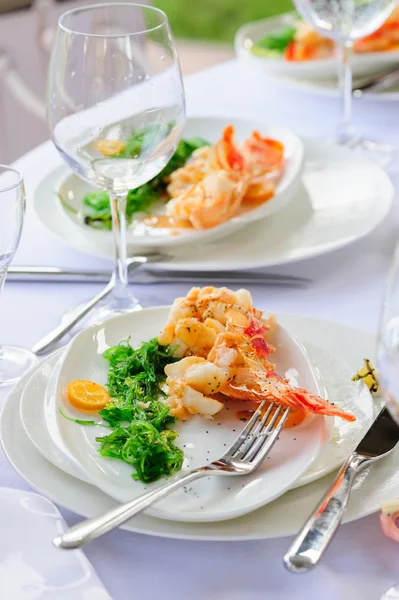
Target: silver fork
{"x": 242, "y": 458}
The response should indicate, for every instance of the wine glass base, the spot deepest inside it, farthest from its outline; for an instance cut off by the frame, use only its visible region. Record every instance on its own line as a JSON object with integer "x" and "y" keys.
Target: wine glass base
{"x": 380, "y": 153}
{"x": 109, "y": 308}
{"x": 392, "y": 593}
{"x": 104, "y": 311}
{"x": 112, "y": 307}
{"x": 14, "y": 363}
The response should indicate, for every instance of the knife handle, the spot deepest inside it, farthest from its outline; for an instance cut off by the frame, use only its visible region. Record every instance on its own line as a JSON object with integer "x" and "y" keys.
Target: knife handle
{"x": 318, "y": 531}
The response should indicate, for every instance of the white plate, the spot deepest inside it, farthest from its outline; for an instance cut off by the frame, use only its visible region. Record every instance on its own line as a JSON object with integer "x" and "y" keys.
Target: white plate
{"x": 72, "y": 189}
{"x": 334, "y": 376}
{"x": 280, "y": 518}
{"x": 32, "y": 414}
{"x": 209, "y": 499}
{"x": 344, "y": 198}
{"x": 362, "y": 64}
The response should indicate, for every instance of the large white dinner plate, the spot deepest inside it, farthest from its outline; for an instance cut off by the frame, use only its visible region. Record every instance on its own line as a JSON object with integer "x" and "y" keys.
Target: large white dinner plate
{"x": 72, "y": 189}
{"x": 282, "y": 517}
{"x": 342, "y": 199}
{"x": 362, "y": 63}
{"x": 202, "y": 440}
{"x": 333, "y": 373}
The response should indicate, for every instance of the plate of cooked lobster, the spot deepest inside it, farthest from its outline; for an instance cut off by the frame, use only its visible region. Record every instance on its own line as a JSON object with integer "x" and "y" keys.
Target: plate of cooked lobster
{"x": 304, "y": 198}
{"x": 221, "y": 177}
{"x": 156, "y": 393}
{"x": 287, "y": 47}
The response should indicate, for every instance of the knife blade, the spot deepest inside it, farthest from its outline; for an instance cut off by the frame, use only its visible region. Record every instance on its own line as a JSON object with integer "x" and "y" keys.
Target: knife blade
{"x": 381, "y": 438}
{"x": 317, "y": 533}
{"x": 147, "y": 276}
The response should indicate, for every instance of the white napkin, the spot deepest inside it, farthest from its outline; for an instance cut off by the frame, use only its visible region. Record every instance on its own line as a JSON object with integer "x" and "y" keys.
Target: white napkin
{"x": 30, "y": 566}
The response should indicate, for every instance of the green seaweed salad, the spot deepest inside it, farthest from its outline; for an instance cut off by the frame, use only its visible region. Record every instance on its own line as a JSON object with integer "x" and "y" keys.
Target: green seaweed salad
{"x": 139, "y": 420}
{"x": 96, "y": 205}
{"x": 275, "y": 44}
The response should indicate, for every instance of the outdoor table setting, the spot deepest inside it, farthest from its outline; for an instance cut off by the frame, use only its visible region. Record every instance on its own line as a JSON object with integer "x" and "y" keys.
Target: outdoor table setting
{"x": 233, "y": 178}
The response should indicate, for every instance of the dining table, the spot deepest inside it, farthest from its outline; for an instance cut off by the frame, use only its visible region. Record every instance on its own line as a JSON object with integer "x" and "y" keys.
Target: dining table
{"x": 347, "y": 287}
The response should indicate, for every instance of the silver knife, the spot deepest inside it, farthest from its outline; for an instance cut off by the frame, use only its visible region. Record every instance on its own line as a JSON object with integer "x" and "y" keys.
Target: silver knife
{"x": 376, "y": 83}
{"x": 146, "y": 276}
{"x": 318, "y": 531}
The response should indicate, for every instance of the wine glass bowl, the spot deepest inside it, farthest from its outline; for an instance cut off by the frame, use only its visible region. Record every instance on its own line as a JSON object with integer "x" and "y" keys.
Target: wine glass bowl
{"x": 12, "y": 206}
{"x": 345, "y": 21}
{"x": 14, "y": 361}
{"x": 115, "y": 105}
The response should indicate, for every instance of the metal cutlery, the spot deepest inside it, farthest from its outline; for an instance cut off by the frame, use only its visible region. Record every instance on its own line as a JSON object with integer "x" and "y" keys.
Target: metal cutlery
{"x": 147, "y": 276}
{"x": 242, "y": 458}
{"x": 376, "y": 83}
{"x": 319, "y": 530}
{"x": 48, "y": 341}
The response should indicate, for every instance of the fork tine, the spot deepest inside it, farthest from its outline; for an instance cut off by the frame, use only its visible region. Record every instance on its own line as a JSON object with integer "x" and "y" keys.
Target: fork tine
{"x": 252, "y": 435}
{"x": 261, "y": 435}
{"x": 264, "y": 450}
{"x": 246, "y": 431}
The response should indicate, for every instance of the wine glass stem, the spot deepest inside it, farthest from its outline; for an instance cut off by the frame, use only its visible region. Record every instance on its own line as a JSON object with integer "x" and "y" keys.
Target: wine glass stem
{"x": 3, "y": 274}
{"x": 345, "y": 131}
{"x": 118, "y": 210}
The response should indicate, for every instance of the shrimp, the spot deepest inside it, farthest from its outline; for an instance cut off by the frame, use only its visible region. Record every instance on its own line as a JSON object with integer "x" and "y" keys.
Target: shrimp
{"x": 212, "y": 201}
{"x": 263, "y": 154}
{"x": 386, "y": 38}
{"x": 264, "y": 157}
{"x": 192, "y": 173}
{"x": 308, "y": 45}
{"x": 225, "y": 155}
{"x": 211, "y": 187}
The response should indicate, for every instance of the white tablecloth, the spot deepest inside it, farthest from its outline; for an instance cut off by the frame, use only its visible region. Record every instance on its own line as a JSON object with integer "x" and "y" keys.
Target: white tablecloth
{"x": 348, "y": 287}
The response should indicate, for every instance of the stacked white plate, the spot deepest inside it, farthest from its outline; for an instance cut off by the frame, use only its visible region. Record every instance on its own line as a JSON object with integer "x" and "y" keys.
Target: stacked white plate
{"x": 328, "y": 197}
{"x": 60, "y": 458}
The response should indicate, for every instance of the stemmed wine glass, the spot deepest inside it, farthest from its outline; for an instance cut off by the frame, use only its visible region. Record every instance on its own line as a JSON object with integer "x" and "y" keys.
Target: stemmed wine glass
{"x": 14, "y": 361}
{"x": 345, "y": 21}
{"x": 115, "y": 105}
{"x": 388, "y": 357}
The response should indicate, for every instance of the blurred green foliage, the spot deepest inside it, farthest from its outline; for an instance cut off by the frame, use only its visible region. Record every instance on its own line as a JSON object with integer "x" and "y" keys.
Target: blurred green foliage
{"x": 217, "y": 20}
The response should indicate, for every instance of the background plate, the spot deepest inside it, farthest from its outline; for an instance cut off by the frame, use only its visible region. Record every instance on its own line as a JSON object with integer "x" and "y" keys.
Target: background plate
{"x": 362, "y": 64}
{"x": 344, "y": 197}
{"x": 72, "y": 189}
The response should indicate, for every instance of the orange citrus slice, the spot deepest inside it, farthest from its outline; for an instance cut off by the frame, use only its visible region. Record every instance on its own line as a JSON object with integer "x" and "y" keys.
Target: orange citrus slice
{"x": 87, "y": 396}
{"x": 110, "y": 147}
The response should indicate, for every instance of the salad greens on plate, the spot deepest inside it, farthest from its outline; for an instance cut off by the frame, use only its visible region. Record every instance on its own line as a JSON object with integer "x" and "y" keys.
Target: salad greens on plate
{"x": 140, "y": 436}
{"x": 275, "y": 44}
{"x": 139, "y": 421}
{"x": 96, "y": 207}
